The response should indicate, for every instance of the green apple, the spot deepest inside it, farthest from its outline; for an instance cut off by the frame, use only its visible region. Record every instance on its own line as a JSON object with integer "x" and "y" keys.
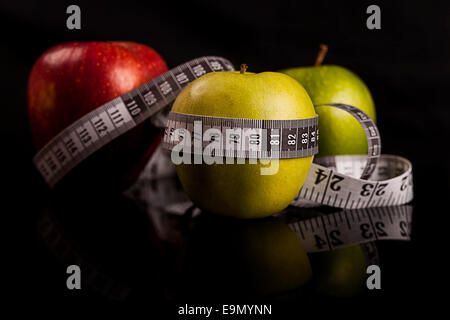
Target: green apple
{"x": 340, "y": 133}
{"x": 239, "y": 190}
{"x": 243, "y": 258}
{"x": 340, "y": 272}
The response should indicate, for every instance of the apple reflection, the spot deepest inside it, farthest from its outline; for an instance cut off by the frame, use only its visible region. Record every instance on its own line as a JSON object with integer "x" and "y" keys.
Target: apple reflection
{"x": 230, "y": 258}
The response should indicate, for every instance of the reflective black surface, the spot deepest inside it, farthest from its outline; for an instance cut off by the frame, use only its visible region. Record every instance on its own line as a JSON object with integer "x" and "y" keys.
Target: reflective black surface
{"x": 150, "y": 246}
{"x": 151, "y": 243}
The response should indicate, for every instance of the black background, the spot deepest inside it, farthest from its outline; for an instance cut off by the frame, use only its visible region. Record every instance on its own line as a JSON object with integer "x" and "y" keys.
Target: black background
{"x": 405, "y": 65}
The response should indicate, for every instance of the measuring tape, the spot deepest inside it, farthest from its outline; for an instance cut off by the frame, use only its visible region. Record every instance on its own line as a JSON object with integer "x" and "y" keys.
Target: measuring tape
{"x": 112, "y": 119}
{"x": 336, "y": 184}
{"x": 242, "y": 138}
{"x": 348, "y": 227}
{"x": 260, "y": 139}
{"x": 339, "y": 181}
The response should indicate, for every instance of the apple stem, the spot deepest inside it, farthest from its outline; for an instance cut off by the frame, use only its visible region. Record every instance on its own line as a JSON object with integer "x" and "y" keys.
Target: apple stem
{"x": 243, "y": 68}
{"x": 321, "y": 55}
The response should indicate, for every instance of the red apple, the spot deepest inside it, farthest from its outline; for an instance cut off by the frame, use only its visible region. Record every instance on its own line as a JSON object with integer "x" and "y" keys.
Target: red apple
{"x": 72, "y": 79}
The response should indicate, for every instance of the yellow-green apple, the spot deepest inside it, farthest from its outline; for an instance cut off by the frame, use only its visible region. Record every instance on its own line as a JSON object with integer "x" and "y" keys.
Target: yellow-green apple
{"x": 239, "y": 190}
{"x": 340, "y": 133}
{"x": 70, "y": 80}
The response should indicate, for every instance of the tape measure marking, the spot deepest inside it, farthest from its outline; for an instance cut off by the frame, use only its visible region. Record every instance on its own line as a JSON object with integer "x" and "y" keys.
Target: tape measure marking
{"x": 110, "y": 120}
{"x": 244, "y": 138}
{"x": 349, "y": 227}
{"x": 391, "y": 184}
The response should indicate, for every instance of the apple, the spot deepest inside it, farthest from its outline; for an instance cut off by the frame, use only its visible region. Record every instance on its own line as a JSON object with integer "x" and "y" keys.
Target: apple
{"x": 239, "y": 190}
{"x": 71, "y": 79}
{"x": 340, "y": 133}
{"x": 339, "y": 272}
{"x": 242, "y": 258}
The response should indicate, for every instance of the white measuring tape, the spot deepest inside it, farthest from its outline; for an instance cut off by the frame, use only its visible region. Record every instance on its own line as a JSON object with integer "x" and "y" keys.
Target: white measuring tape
{"x": 340, "y": 181}
{"x": 336, "y": 183}
{"x": 114, "y": 118}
